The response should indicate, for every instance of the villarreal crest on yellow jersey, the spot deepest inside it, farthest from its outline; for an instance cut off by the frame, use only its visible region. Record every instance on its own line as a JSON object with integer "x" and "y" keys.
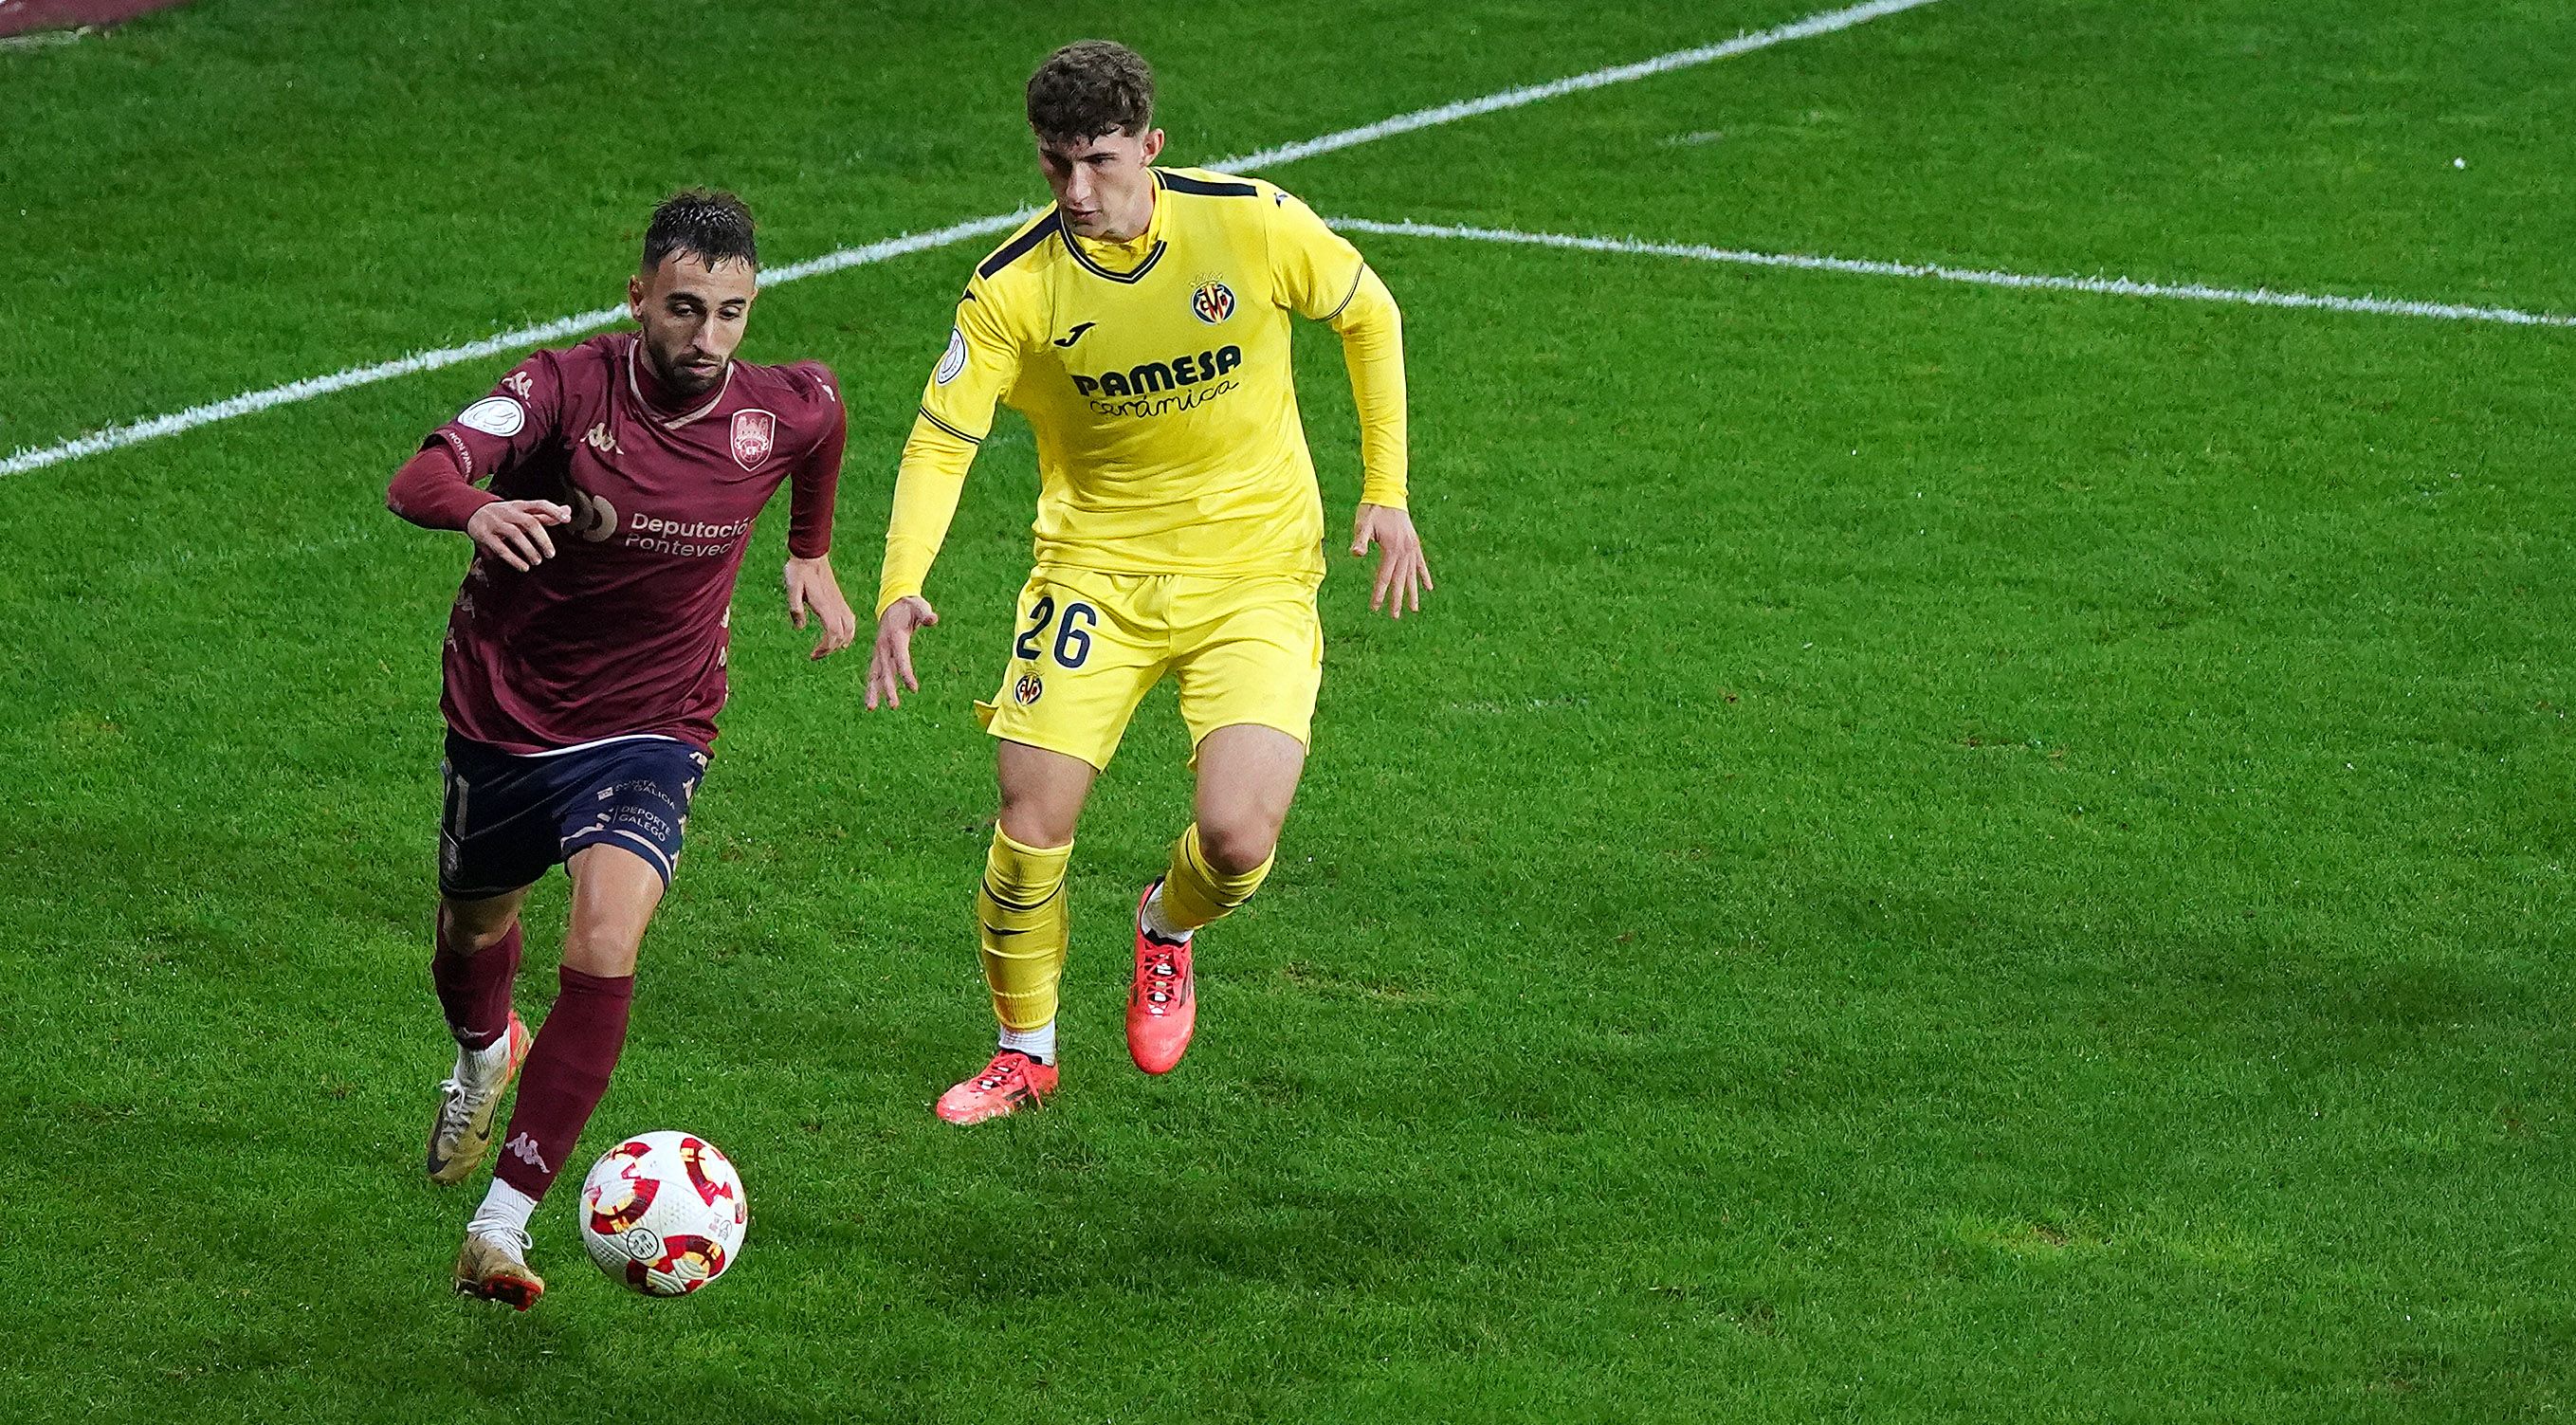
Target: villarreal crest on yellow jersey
{"x": 1155, "y": 375}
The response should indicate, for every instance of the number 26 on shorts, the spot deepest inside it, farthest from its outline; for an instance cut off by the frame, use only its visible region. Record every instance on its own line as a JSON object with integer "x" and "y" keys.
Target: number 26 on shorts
{"x": 1072, "y": 642}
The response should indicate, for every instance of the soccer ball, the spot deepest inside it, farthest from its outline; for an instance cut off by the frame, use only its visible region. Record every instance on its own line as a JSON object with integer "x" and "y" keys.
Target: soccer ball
{"x": 663, "y": 1213}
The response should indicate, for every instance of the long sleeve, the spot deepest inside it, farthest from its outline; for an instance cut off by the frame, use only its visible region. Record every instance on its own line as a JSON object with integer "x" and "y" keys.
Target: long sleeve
{"x": 432, "y": 492}
{"x": 1319, "y": 275}
{"x": 973, "y": 375}
{"x": 816, "y": 484}
{"x": 925, "y": 500}
{"x": 1372, "y": 331}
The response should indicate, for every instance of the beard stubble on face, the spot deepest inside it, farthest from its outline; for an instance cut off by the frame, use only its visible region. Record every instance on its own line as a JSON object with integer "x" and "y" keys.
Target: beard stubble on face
{"x": 675, "y": 375}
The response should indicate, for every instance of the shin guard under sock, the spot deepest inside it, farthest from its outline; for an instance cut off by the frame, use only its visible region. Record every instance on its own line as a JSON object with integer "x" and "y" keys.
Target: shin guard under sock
{"x": 474, "y": 990}
{"x": 566, "y": 1072}
{"x": 1023, "y": 925}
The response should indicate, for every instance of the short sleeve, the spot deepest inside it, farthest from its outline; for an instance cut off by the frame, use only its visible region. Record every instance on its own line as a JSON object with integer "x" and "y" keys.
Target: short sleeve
{"x": 1314, "y": 269}
{"x": 519, "y": 416}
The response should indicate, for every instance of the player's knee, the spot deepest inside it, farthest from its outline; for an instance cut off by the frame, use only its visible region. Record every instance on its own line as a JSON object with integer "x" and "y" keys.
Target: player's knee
{"x": 1037, "y": 821}
{"x": 1237, "y": 848}
{"x": 603, "y": 951}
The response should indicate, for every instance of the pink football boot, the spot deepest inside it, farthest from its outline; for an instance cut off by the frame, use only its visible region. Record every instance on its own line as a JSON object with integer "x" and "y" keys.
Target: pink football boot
{"x": 1162, "y": 1001}
{"x": 1013, "y": 1081}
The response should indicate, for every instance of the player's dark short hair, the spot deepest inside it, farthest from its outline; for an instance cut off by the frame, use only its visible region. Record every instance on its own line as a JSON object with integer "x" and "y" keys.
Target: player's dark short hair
{"x": 1090, "y": 89}
{"x": 707, "y": 223}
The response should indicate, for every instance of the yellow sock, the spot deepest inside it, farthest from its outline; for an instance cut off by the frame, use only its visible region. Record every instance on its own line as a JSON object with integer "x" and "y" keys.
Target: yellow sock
{"x": 1194, "y": 894}
{"x": 1023, "y": 925}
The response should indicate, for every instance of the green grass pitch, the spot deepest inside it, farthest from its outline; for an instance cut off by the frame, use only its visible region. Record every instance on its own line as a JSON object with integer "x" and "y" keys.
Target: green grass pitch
{"x": 1939, "y": 853}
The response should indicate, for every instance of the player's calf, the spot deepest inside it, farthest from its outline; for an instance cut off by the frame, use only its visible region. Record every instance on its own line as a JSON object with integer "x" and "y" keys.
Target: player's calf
{"x": 1198, "y": 889}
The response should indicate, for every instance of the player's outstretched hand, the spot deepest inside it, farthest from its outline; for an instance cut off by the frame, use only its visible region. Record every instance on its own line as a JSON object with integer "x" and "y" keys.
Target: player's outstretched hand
{"x": 1403, "y": 575}
{"x": 890, "y": 666}
{"x": 810, "y": 585}
{"x": 514, "y": 531}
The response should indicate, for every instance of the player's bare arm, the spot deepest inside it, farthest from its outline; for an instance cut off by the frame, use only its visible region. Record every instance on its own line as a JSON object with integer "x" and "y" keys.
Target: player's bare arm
{"x": 812, "y": 588}
{"x": 1403, "y": 575}
{"x": 890, "y": 664}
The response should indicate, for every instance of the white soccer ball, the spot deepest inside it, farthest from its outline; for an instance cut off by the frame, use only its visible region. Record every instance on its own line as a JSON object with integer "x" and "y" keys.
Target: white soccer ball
{"x": 663, "y": 1213}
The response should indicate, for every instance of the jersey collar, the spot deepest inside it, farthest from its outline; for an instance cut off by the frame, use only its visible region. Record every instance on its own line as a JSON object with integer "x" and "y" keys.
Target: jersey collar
{"x": 1153, "y": 229}
{"x": 654, "y": 411}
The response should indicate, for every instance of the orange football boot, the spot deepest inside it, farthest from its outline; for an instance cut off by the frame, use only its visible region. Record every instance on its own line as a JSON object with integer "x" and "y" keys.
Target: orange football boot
{"x": 1011, "y": 1082}
{"x": 493, "y": 1266}
{"x": 1162, "y": 1001}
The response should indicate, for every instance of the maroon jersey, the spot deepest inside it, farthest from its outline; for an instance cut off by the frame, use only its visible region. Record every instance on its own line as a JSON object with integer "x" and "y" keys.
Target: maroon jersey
{"x": 623, "y": 630}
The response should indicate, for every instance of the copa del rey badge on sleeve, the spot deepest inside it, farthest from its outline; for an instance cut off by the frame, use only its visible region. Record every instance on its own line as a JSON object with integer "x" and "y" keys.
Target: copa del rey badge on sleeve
{"x": 755, "y": 434}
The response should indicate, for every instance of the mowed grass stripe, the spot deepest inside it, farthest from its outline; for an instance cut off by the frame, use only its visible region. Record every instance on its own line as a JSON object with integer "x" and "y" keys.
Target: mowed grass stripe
{"x": 119, "y": 436}
{"x": 1942, "y": 854}
{"x": 1790, "y": 929}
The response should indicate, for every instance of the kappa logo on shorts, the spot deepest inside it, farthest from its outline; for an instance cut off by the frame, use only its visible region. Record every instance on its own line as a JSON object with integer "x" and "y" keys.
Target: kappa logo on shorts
{"x": 1212, "y": 302}
{"x": 755, "y": 434}
{"x": 1029, "y": 689}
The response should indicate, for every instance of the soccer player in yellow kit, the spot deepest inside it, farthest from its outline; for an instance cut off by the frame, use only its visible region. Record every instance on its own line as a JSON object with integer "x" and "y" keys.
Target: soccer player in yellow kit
{"x": 1142, "y": 326}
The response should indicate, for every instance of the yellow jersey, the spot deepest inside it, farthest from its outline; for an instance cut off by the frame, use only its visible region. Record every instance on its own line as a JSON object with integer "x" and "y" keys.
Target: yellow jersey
{"x": 1156, "y": 377}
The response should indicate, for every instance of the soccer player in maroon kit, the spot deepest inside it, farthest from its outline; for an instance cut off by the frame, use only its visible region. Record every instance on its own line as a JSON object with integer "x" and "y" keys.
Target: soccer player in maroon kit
{"x": 584, "y": 665}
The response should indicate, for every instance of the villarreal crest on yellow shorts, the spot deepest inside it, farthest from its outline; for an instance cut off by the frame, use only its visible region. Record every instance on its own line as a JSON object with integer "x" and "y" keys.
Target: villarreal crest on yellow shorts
{"x": 1245, "y": 648}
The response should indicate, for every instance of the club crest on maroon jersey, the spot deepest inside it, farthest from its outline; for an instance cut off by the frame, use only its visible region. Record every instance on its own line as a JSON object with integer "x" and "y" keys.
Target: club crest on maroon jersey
{"x": 1212, "y": 302}
{"x": 755, "y": 434}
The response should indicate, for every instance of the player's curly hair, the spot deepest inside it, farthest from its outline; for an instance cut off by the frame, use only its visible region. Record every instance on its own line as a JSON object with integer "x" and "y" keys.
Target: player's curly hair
{"x": 1090, "y": 89}
{"x": 707, "y": 223}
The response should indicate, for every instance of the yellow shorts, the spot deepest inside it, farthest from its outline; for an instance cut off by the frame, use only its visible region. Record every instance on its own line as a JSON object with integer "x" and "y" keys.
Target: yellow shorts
{"x": 1087, "y": 645}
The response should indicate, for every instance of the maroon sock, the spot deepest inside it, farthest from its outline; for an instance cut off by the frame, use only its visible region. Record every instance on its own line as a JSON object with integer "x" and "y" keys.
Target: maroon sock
{"x": 474, "y": 989}
{"x": 566, "y": 1073}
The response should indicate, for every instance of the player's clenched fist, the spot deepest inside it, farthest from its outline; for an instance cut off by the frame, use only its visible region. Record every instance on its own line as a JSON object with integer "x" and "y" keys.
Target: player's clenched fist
{"x": 890, "y": 666}
{"x": 514, "y": 531}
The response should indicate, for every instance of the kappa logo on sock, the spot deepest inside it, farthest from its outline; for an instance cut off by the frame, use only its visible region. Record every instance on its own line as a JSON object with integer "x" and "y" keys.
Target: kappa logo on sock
{"x": 524, "y": 1148}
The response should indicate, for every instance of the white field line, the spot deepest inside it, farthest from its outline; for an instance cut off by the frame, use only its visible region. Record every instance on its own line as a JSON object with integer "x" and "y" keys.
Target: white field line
{"x": 1824, "y": 23}
{"x": 2103, "y": 286}
{"x": 115, "y": 437}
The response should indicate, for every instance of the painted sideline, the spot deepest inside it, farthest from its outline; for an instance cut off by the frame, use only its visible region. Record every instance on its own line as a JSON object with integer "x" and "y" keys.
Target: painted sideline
{"x": 118, "y": 436}
{"x": 1981, "y": 277}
